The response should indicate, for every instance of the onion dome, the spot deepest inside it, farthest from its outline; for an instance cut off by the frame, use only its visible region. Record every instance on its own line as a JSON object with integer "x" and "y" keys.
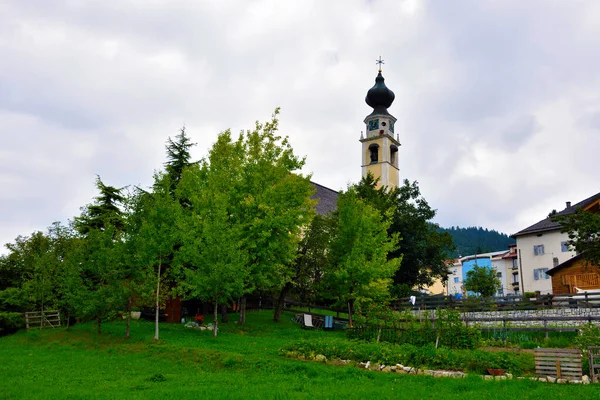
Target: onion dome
{"x": 379, "y": 96}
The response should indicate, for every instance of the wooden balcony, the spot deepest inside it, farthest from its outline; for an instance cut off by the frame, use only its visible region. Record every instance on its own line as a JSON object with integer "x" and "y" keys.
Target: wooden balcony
{"x": 582, "y": 281}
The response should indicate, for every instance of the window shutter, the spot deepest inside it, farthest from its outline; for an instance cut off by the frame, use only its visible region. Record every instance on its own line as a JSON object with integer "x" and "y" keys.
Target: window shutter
{"x": 536, "y": 275}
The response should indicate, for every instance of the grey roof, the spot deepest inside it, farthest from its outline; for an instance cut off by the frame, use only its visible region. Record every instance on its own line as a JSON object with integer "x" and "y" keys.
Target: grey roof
{"x": 327, "y": 199}
{"x": 547, "y": 224}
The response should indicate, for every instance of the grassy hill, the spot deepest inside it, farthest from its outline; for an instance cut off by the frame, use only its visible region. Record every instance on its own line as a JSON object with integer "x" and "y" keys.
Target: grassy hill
{"x": 242, "y": 363}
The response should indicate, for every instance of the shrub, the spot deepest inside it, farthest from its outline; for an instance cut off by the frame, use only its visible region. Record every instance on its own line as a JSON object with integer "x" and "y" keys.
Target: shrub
{"x": 416, "y": 356}
{"x": 589, "y": 335}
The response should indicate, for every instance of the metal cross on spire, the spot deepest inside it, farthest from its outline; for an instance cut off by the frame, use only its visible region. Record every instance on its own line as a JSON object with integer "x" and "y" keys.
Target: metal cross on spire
{"x": 380, "y": 62}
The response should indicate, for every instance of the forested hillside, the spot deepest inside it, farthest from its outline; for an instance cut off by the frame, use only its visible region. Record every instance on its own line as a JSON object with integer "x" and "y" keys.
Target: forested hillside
{"x": 475, "y": 240}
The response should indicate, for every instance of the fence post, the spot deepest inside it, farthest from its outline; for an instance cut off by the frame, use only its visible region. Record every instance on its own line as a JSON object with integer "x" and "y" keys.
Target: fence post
{"x": 546, "y": 326}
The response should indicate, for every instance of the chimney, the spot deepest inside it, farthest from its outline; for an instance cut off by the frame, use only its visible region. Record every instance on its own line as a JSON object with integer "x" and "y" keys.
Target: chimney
{"x": 568, "y": 204}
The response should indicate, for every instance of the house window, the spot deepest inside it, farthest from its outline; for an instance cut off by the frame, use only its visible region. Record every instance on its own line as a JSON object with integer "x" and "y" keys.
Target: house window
{"x": 564, "y": 246}
{"x": 540, "y": 273}
{"x": 456, "y": 279}
{"x": 499, "y": 275}
{"x": 515, "y": 263}
{"x": 538, "y": 249}
{"x": 555, "y": 262}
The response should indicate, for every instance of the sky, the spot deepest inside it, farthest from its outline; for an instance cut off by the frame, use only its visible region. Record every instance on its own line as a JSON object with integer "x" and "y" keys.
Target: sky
{"x": 498, "y": 102}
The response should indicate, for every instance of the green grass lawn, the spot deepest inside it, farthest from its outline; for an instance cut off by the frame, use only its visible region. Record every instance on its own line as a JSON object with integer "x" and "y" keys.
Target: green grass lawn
{"x": 242, "y": 363}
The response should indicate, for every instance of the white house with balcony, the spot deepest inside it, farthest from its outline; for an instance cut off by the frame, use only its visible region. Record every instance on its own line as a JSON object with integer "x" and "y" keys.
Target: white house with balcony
{"x": 541, "y": 247}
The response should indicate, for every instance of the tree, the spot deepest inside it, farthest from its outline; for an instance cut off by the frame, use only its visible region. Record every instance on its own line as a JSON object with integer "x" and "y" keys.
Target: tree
{"x": 103, "y": 267}
{"x": 310, "y": 264}
{"x": 216, "y": 262}
{"x": 178, "y": 158}
{"x": 583, "y": 228}
{"x": 104, "y": 211}
{"x": 482, "y": 280}
{"x": 154, "y": 236}
{"x": 422, "y": 247}
{"x": 360, "y": 266}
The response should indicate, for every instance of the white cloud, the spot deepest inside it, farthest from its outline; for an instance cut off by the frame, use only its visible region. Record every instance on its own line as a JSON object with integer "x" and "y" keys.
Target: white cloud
{"x": 497, "y": 102}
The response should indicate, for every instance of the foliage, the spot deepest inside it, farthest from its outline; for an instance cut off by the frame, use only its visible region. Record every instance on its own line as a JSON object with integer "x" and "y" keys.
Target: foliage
{"x": 311, "y": 263}
{"x": 482, "y": 280}
{"x": 476, "y": 240}
{"x": 416, "y": 356}
{"x": 359, "y": 264}
{"x": 153, "y": 236}
{"x": 583, "y": 228}
{"x": 104, "y": 212}
{"x": 216, "y": 262}
{"x": 446, "y": 330}
{"x": 423, "y": 248}
{"x": 178, "y": 158}
{"x": 588, "y": 336}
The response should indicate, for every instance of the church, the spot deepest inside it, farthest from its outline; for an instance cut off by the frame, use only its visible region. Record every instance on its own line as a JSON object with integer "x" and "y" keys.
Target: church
{"x": 380, "y": 145}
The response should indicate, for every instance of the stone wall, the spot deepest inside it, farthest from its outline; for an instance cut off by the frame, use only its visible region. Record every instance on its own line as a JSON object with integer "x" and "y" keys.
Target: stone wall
{"x": 573, "y": 317}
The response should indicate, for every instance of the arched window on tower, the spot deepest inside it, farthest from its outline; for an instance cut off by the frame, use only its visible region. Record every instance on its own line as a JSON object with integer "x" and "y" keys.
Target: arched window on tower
{"x": 374, "y": 152}
{"x": 393, "y": 153}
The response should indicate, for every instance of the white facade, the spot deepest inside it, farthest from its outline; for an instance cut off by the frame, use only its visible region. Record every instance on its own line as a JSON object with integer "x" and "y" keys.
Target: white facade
{"x": 457, "y": 271}
{"x": 539, "y": 252}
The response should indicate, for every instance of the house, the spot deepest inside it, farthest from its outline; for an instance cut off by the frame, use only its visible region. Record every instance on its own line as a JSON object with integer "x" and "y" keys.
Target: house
{"x": 507, "y": 270}
{"x": 543, "y": 246}
{"x": 577, "y": 274}
{"x": 574, "y": 275}
{"x": 461, "y": 266}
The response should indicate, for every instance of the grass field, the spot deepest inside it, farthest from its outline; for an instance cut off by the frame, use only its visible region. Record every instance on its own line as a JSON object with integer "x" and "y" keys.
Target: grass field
{"x": 242, "y": 363}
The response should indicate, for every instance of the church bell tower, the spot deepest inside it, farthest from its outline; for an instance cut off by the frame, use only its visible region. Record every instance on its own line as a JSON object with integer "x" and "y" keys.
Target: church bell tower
{"x": 379, "y": 147}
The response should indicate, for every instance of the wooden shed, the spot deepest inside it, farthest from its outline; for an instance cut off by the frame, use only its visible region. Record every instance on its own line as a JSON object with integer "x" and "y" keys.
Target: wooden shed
{"x": 575, "y": 273}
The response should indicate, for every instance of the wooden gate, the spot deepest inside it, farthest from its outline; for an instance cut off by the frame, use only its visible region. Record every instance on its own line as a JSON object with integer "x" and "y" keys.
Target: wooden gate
{"x": 558, "y": 363}
{"x": 42, "y": 319}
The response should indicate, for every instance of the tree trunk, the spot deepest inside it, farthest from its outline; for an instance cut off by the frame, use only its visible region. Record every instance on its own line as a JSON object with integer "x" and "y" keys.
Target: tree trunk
{"x": 68, "y": 321}
{"x": 280, "y": 301}
{"x": 128, "y": 328}
{"x": 99, "y": 323}
{"x": 350, "y": 309}
{"x": 216, "y": 318}
{"x": 224, "y": 316}
{"x": 242, "y": 311}
{"x": 157, "y": 300}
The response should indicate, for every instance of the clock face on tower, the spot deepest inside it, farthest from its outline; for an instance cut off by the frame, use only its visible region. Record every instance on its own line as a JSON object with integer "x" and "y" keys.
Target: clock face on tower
{"x": 392, "y": 126}
{"x": 374, "y": 124}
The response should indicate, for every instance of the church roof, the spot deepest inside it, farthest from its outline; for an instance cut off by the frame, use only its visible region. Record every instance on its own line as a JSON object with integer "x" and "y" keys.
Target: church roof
{"x": 327, "y": 199}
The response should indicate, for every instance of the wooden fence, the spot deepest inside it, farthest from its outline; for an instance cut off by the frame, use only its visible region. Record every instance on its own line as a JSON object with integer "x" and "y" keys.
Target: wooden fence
{"x": 594, "y": 359}
{"x": 558, "y": 363}
{"x": 42, "y": 319}
{"x": 581, "y": 300}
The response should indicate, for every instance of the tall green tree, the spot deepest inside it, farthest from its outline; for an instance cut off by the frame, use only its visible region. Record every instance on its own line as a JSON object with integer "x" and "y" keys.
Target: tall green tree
{"x": 583, "y": 228}
{"x": 103, "y": 266}
{"x": 178, "y": 157}
{"x": 105, "y": 211}
{"x": 212, "y": 233}
{"x": 482, "y": 280}
{"x": 360, "y": 264}
{"x": 423, "y": 248}
{"x": 310, "y": 264}
{"x": 154, "y": 236}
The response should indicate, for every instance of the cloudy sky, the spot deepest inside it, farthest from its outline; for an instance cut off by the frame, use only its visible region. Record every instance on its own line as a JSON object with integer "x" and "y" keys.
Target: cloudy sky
{"x": 498, "y": 102}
